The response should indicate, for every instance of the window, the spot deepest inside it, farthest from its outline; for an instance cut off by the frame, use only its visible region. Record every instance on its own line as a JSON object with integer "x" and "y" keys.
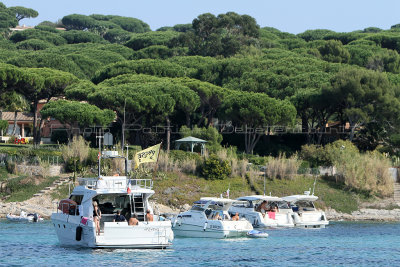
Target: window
{"x": 77, "y": 198}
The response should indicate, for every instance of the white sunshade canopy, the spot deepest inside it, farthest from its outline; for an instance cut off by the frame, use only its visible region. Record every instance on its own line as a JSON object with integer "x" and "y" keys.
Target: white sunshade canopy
{"x": 259, "y": 197}
{"x": 217, "y": 199}
{"x": 296, "y": 198}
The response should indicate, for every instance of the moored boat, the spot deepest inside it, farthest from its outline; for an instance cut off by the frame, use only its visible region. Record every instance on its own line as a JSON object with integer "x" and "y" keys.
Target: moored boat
{"x": 263, "y": 211}
{"x": 75, "y": 219}
{"x": 24, "y": 217}
{"x": 305, "y": 214}
{"x": 209, "y": 217}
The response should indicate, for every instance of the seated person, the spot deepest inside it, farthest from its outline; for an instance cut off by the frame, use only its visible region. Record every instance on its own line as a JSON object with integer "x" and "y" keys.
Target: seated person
{"x": 133, "y": 220}
{"x": 149, "y": 216}
{"x": 263, "y": 208}
{"x": 275, "y": 208}
{"x": 217, "y": 216}
{"x": 235, "y": 217}
{"x": 118, "y": 217}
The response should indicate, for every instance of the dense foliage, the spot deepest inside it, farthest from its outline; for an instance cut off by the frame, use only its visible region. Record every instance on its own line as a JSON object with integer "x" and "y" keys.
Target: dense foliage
{"x": 264, "y": 90}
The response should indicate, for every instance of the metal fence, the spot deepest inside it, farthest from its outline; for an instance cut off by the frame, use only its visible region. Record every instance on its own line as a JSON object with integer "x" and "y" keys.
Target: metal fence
{"x": 36, "y": 160}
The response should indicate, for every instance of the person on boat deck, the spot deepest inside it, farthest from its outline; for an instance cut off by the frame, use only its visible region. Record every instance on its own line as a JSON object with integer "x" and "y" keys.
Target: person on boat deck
{"x": 96, "y": 216}
{"x": 149, "y": 216}
{"x": 118, "y": 217}
{"x": 235, "y": 217}
{"x": 263, "y": 208}
{"x": 133, "y": 220}
{"x": 275, "y": 208}
{"x": 217, "y": 216}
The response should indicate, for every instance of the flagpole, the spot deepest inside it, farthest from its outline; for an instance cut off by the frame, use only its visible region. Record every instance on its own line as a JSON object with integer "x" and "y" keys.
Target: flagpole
{"x": 159, "y": 151}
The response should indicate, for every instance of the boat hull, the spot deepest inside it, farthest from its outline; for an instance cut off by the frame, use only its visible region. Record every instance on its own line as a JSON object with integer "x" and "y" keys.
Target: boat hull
{"x": 213, "y": 229}
{"x": 155, "y": 235}
{"x": 19, "y": 218}
{"x": 260, "y": 221}
{"x": 314, "y": 219}
{"x": 186, "y": 230}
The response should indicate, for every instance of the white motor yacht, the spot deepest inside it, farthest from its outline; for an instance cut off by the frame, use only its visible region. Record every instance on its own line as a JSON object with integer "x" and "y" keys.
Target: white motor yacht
{"x": 209, "y": 217}
{"x": 249, "y": 207}
{"x": 75, "y": 225}
{"x": 305, "y": 214}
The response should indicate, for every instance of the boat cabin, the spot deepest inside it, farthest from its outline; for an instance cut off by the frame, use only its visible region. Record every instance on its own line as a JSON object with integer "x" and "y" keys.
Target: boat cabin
{"x": 254, "y": 202}
{"x": 300, "y": 203}
{"x": 214, "y": 208}
{"x": 111, "y": 196}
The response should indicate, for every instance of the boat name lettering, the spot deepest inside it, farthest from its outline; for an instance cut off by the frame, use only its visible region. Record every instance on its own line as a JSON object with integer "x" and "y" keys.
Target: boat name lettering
{"x": 215, "y": 227}
{"x": 151, "y": 229}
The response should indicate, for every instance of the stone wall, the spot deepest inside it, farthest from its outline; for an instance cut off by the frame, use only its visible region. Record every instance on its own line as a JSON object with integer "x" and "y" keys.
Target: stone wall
{"x": 33, "y": 170}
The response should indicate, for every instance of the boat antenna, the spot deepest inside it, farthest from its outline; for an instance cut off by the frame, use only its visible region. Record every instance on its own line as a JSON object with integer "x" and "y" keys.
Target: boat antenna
{"x": 264, "y": 179}
{"x": 126, "y": 159}
{"x": 315, "y": 181}
{"x": 123, "y": 127}
{"x": 99, "y": 156}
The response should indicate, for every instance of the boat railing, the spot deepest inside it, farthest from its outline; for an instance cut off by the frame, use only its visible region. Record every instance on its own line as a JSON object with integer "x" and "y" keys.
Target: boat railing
{"x": 142, "y": 183}
{"x": 68, "y": 208}
{"x": 115, "y": 183}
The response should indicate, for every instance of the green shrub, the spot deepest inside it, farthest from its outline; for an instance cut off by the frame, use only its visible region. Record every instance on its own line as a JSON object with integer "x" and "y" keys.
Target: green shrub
{"x": 256, "y": 159}
{"x": 315, "y": 155}
{"x": 215, "y": 168}
{"x": 210, "y": 134}
{"x": 70, "y": 165}
{"x": 3, "y": 126}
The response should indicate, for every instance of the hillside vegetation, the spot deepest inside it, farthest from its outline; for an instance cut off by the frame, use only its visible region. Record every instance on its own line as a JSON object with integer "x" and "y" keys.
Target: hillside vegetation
{"x": 256, "y": 94}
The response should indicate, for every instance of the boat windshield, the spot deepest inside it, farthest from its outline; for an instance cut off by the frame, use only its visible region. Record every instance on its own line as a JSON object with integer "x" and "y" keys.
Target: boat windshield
{"x": 303, "y": 205}
{"x": 271, "y": 204}
{"x": 197, "y": 207}
{"x": 111, "y": 203}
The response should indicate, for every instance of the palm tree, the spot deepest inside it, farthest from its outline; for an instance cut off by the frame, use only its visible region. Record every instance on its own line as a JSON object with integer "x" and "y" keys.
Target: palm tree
{"x": 14, "y": 102}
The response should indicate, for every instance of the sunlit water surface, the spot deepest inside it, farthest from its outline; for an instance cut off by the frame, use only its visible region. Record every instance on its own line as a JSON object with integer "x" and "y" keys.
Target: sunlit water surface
{"x": 341, "y": 243}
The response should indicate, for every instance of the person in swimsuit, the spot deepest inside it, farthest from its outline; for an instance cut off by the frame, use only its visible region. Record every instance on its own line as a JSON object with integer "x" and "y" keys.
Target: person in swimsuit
{"x": 96, "y": 216}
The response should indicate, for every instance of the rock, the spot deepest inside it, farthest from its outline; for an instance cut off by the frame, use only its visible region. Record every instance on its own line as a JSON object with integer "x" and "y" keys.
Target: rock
{"x": 170, "y": 190}
{"x": 185, "y": 207}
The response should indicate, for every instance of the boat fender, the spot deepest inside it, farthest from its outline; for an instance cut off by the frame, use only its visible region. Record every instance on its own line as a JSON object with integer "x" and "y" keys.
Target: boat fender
{"x": 35, "y": 217}
{"x": 175, "y": 222}
{"x": 205, "y": 226}
{"x": 78, "y": 235}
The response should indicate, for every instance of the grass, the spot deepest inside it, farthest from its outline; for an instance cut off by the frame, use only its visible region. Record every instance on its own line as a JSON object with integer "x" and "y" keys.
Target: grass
{"x": 3, "y": 173}
{"x": 29, "y": 150}
{"x": 24, "y": 188}
{"x": 178, "y": 189}
{"x": 61, "y": 192}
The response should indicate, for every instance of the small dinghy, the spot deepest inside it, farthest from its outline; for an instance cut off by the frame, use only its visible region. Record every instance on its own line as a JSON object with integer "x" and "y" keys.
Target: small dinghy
{"x": 257, "y": 234}
{"x": 23, "y": 217}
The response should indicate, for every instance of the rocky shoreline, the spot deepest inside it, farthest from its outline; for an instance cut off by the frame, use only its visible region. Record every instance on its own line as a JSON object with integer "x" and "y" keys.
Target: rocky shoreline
{"x": 44, "y": 206}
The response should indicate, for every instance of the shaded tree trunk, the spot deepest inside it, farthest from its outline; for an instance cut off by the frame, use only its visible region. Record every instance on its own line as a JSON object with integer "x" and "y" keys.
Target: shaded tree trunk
{"x": 35, "y": 119}
{"x": 168, "y": 133}
{"x": 14, "y": 131}
{"x": 187, "y": 119}
{"x": 250, "y": 139}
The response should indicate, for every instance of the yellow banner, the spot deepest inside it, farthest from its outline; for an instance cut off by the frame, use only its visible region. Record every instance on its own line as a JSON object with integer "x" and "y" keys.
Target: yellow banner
{"x": 148, "y": 155}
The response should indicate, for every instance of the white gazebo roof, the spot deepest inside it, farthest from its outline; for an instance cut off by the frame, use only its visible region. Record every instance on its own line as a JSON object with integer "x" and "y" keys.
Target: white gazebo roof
{"x": 191, "y": 139}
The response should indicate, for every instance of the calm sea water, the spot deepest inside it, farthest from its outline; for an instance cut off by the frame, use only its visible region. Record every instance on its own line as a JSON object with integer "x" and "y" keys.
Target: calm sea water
{"x": 341, "y": 243}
